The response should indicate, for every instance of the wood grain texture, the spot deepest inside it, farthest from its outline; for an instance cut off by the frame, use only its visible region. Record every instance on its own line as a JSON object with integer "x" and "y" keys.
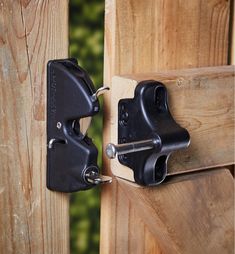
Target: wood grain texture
{"x": 193, "y": 215}
{"x": 139, "y": 239}
{"x": 32, "y": 219}
{"x": 232, "y": 34}
{"x": 149, "y": 36}
{"x": 162, "y": 35}
{"x": 128, "y": 232}
{"x": 201, "y": 100}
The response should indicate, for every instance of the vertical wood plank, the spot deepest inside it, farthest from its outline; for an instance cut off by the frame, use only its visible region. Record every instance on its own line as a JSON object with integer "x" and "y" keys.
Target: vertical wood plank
{"x": 122, "y": 222}
{"x": 147, "y": 36}
{"x": 32, "y": 219}
{"x": 232, "y": 35}
{"x": 139, "y": 239}
{"x": 151, "y": 246}
{"x": 163, "y": 35}
{"x": 137, "y": 232}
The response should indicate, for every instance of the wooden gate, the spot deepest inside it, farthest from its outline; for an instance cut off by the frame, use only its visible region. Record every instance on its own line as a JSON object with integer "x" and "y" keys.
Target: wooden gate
{"x": 148, "y": 40}
{"x": 193, "y": 213}
{"x": 32, "y": 218}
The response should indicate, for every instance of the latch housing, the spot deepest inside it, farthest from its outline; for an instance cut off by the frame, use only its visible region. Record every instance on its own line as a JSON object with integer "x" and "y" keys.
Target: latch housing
{"x": 147, "y": 133}
{"x": 71, "y": 154}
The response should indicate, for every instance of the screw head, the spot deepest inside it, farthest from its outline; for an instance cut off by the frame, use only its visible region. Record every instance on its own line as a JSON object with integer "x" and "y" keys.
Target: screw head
{"x": 59, "y": 125}
{"x": 123, "y": 115}
{"x": 111, "y": 151}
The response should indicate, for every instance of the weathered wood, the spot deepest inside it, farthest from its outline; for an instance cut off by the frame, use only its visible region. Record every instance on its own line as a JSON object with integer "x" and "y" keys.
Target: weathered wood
{"x": 232, "y": 35}
{"x": 163, "y": 35}
{"x": 139, "y": 239}
{"x": 32, "y": 219}
{"x": 128, "y": 232}
{"x": 147, "y": 36}
{"x": 201, "y": 101}
{"x": 193, "y": 215}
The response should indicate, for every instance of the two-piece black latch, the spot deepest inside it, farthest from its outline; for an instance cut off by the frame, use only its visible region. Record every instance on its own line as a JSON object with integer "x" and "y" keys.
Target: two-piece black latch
{"x": 71, "y": 154}
{"x": 147, "y": 134}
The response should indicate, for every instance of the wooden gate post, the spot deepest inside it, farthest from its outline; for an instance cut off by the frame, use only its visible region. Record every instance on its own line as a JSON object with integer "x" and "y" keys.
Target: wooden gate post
{"x": 149, "y": 36}
{"x": 32, "y": 219}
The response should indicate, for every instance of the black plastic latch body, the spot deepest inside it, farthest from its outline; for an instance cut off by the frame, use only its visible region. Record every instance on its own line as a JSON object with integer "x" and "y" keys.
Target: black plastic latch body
{"x": 147, "y": 117}
{"x": 70, "y": 153}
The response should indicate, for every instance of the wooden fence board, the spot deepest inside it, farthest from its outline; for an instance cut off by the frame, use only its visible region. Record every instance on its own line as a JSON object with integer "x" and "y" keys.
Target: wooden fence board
{"x": 150, "y": 36}
{"x": 201, "y": 100}
{"x": 191, "y": 215}
{"x": 32, "y": 218}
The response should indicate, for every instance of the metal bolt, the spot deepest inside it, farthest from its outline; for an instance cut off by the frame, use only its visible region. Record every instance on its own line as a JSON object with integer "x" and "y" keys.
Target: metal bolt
{"x": 59, "y": 125}
{"x": 114, "y": 150}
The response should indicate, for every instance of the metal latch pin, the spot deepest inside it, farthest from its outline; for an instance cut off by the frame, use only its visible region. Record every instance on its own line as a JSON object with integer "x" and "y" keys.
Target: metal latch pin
{"x": 114, "y": 150}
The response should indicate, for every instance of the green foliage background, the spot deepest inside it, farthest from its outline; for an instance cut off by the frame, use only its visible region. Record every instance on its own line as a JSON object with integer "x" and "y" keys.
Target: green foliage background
{"x": 86, "y": 44}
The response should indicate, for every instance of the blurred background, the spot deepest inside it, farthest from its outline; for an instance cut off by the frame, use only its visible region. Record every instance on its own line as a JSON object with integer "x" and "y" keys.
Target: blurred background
{"x": 86, "y": 44}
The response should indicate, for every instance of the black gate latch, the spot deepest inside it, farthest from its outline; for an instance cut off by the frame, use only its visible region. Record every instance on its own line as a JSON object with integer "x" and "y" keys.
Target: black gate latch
{"x": 71, "y": 154}
{"x": 147, "y": 134}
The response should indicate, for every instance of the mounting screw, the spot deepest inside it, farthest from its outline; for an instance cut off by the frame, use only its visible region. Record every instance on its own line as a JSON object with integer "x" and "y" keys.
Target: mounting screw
{"x": 59, "y": 125}
{"x": 124, "y": 116}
